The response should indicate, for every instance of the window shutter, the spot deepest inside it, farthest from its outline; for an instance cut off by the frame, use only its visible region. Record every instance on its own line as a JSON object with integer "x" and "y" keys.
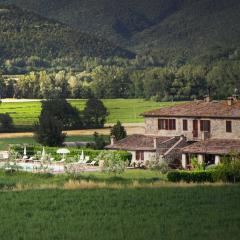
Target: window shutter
{"x": 201, "y": 125}
{"x": 166, "y": 124}
{"x": 229, "y": 126}
{"x": 185, "y": 125}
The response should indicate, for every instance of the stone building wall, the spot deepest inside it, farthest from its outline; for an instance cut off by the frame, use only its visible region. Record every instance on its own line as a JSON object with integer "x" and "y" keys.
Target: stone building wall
{"x": 218, "y": 128}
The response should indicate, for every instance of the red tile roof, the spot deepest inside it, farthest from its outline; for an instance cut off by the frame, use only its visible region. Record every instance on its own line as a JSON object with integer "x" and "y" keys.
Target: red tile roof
{"x": 214, "y": 146}
{"x": 137, "y": 142}
{"x": 213, "y": 109}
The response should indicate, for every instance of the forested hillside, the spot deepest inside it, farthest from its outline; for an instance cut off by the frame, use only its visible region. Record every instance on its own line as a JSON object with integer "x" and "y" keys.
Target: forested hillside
{"x": 172, "y": 31}
{"x": 184, "y": 48}
{"x": 26, "y": 36}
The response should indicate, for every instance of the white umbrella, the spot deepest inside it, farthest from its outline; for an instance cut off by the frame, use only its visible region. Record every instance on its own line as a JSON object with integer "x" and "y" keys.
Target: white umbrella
{"x": 82, "y": 156}
{"x": 25, "y": 152}
{"x": 63, "y": 151}
{"x": 43, "y": 153}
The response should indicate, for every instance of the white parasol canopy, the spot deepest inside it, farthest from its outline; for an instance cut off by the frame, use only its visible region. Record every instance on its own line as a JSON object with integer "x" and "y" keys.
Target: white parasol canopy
{"x": 43, "y": 153}
{"x": 82, "y": 156}
{"x": 25, "y": 152}
{"x": 63, "y": 151}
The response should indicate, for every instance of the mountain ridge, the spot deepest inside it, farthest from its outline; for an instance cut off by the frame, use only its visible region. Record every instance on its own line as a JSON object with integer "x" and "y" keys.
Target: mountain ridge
{"x": 24, "y": 33}
{"x": 164, "y": 29}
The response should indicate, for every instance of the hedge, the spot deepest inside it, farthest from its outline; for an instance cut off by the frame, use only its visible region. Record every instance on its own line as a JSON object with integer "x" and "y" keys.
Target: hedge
{"x": 74, "y": 152}
{"x": 191, "y": 176}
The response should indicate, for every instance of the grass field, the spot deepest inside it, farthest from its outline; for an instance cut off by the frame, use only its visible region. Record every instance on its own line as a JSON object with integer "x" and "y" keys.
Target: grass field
{"x": 29, "y": 180}
{"x": 25, "y": 114}
{"x": 4, "y": 142}
{"x": 168, "y": 213}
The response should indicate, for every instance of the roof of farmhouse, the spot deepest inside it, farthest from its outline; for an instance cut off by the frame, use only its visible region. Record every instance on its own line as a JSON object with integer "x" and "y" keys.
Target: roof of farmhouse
{"x": 213, "y": 146}
{"x": 211, "y": 109}
{"x": 138, "y": 142}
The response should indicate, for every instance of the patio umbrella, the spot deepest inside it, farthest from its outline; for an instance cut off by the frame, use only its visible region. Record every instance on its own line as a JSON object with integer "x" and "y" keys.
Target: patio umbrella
{"x": 82, "y": 156}
{"x": 63, "y": 151}
{"x": 25, "y": 151}
{"x": 43, "y": 153}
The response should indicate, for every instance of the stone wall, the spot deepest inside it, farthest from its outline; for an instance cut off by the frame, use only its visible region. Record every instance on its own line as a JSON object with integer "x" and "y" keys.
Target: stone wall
{"x": 147, "y": 155}
{"x": 218, "y": 128}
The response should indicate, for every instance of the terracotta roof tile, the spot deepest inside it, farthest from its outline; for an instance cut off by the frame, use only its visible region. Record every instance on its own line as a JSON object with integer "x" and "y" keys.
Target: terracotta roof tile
{"x": 214, "y": 146}
{"x": 213, "y": 109}
{"x": 137, "y": 142}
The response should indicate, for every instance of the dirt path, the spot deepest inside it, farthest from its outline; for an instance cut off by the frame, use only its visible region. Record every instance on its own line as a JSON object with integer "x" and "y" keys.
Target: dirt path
{"x": 131, "y": 128}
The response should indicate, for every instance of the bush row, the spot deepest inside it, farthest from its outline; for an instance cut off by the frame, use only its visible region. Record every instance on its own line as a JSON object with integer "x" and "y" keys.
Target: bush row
{"x": 74, "y": 152}
{"x": 188, "y": 176}
{"x": 213, "y": 175}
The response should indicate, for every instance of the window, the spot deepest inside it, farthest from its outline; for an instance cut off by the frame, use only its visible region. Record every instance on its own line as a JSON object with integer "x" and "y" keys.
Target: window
{"x": 229, "y": 126}
{"x": 167, "y": 124}
{"x": 140, "y": 155}
{"x": 185, "y": 125}
{"x": 161, "y": 124}
{"x": 205, "y": 126}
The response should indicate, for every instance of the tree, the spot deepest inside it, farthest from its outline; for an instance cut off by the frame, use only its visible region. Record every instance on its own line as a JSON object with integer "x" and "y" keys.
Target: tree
{"x": 99, "y": 141}
{"x": 6, "y": 122}
{"x": 63, "y": 111}
{"x": 118, "y": 131}
{"x": 95, "y": 113}
{"x": 48, "y": 131}
{"x": 111, "y": 82}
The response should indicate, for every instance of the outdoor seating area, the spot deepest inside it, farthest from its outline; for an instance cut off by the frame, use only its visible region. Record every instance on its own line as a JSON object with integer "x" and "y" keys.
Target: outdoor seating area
{"x": 42, "y": 163}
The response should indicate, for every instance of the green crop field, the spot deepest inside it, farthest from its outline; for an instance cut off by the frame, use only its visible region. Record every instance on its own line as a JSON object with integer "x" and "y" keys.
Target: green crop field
{"x": 25, "y": 114}
{"x": 5, "y": 142}
{"x": 168, "y": 213}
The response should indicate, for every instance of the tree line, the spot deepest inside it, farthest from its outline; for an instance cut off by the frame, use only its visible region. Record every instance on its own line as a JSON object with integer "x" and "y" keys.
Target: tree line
{"x": 187, "y": 82}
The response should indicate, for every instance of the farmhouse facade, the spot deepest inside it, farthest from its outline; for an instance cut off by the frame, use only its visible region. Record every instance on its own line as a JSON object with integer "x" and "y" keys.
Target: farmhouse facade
{"x": 205, "y": 129}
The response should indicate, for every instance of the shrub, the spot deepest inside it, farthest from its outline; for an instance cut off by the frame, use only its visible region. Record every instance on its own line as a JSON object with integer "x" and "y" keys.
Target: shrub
{"x": 113, "y": 162}
{"x": 33, "y": 150}
{"x": 158, "y": 164}
{"x": 188, "y": 176}
{"x": 99, "y": 141}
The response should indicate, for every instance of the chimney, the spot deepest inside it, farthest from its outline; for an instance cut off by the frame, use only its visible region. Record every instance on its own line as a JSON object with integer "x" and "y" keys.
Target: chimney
{"x": 235, "y": 98}
{"x": 155, "y": 143}
{"x": 207, "y": 98}
{"x": 230, "y": 101}
{"x": 113, "y": 140}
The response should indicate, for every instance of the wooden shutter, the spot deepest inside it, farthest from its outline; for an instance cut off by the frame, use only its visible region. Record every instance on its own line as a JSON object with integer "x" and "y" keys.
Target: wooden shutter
{"x": 201, "y": 125}
{"x": 166, "y": 124}
{"x": 138, "y": 153}
{"x": 174, "y": 124}
{"x": 205, "y": 126}
{"x": 229, "y": 126}
{"x": 185, "y": 125}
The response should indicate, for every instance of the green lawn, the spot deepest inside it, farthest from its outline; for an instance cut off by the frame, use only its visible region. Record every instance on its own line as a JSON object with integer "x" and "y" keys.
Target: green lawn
{"x": 169, "y": 213}
{"x": 125, "y": 110}
{"x": 9, "y": 181}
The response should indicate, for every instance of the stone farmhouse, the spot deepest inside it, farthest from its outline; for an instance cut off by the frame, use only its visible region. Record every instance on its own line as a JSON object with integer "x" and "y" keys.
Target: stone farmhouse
{"x": 206, "y": 129}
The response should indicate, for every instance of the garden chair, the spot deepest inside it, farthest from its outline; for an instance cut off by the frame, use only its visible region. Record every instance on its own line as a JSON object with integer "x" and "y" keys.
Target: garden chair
{"x": 91, "y": 163}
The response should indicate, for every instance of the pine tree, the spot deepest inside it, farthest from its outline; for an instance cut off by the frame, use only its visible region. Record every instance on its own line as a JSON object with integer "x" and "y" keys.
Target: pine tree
{"x": 118, "y": 131}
